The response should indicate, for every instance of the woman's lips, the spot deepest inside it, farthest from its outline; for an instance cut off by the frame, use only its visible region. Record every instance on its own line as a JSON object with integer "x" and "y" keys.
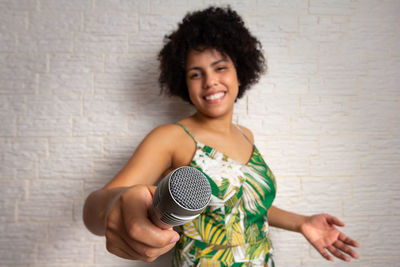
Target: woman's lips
{"x": 214, "y": 97}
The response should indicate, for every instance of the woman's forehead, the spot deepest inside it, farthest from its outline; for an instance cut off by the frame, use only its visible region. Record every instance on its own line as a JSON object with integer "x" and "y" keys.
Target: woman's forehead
{"x": 195, "y": 55}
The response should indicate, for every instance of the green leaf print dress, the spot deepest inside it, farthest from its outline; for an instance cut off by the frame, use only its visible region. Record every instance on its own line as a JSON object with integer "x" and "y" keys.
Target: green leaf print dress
{"x": 233, "y": 229}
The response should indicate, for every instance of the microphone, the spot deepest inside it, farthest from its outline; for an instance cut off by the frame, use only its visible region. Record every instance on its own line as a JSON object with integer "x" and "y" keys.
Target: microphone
{"x": 180, "y": 197}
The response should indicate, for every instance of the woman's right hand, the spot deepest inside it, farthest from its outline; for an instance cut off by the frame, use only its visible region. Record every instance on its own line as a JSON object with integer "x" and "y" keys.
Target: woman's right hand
{"x": 130, "y": 234}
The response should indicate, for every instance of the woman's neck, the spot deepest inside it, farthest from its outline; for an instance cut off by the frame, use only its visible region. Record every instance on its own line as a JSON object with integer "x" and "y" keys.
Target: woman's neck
{"x": 220, "y": 124}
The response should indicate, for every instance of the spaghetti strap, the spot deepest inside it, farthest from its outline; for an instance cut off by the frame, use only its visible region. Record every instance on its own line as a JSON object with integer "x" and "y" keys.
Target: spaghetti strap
{"x": 245, "y": 136}
{"x": 187, "y": 131}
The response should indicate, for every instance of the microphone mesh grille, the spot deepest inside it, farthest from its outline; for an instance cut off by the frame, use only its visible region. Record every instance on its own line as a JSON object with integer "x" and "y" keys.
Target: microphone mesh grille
{"x": 190, "y": 188}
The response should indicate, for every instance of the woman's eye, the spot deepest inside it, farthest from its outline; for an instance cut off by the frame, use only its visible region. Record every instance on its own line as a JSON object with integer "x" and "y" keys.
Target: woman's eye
{"x": 221, "y": 68}
{"x": 194, "y": 75}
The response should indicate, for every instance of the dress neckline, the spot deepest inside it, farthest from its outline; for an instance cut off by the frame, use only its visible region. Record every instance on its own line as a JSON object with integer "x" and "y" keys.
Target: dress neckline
{"x": 198, "y": 143}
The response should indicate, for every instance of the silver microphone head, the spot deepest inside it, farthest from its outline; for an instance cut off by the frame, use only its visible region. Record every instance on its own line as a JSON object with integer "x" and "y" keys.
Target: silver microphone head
{"x": 181, "y": 196}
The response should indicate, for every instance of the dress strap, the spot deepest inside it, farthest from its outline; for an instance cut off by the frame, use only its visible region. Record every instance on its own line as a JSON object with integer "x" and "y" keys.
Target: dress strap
{"x": 245, "y": 136}
{"x": 187, "y": 131}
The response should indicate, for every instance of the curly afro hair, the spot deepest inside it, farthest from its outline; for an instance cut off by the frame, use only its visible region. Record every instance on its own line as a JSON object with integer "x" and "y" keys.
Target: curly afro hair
{"x": 218, "y": 28}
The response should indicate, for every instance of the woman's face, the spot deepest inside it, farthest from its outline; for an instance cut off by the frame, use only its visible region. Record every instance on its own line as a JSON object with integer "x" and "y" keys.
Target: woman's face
{"x": 212, "y": 82}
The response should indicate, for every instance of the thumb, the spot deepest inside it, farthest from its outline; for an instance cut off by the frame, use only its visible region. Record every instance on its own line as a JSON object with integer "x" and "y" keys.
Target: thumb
{"x": 336, "y": 221}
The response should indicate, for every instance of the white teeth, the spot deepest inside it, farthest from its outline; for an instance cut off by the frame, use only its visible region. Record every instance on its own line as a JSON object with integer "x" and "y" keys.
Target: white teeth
{"x": 215, "y": 96}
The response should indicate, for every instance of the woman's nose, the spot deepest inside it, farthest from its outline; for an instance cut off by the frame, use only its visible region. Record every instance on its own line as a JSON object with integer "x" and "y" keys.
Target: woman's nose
{"x": 209, "y": 80}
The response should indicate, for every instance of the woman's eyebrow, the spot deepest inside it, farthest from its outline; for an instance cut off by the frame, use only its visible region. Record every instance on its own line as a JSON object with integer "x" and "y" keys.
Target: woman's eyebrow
{"x": 218, "y": 61}
{"x": 212, "y": 64}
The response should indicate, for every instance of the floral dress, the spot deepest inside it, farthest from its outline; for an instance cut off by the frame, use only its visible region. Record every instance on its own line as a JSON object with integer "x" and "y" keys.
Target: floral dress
{"x": 233, "y": 229}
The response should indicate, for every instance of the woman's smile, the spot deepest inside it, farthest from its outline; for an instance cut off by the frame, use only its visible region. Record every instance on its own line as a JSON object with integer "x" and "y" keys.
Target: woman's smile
{"x": 214, "y": 97}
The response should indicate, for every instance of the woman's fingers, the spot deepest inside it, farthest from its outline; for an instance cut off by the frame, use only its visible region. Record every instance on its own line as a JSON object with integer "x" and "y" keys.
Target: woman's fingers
{"x": 150, "y": 252}
{"x": 337, "y": 250}
{"x": 146, "y": 250}
{"x": 138, "y": 225}
{"x": 323, "y": 253}
{"x": 343, "y": 247}
{"x": 337, "y": 253}
{"x": 144, "y": 231}
{"x": 347, "y": 240}
{"x": 130, "y": 234}
{"x": 133, "y": 250}
{"x": 117, "y": 246}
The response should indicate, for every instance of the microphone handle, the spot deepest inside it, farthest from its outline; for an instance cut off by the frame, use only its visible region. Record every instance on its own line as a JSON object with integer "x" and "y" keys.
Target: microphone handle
{"x": 155, "y": 217}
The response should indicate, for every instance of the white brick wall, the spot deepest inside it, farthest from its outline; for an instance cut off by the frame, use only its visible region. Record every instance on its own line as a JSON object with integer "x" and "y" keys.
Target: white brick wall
{"x": 78, "y": 91}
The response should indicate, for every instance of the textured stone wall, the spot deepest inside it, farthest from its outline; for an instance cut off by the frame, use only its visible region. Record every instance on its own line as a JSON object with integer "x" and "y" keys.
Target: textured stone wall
{"x": 78, "y": 91}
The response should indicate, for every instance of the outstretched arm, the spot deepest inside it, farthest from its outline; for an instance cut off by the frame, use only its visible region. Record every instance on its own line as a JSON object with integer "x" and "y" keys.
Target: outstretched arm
{"x": 119, "y": 210}
{"x": 319, "y": 230}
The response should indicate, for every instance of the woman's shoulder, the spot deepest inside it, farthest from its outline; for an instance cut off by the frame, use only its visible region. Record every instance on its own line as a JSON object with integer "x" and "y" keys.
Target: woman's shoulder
{"x": 168, "y": 131}
{"x": 247, "y": 132}
{"x": 164, "y": 137}
{"x": 176, "y": 141}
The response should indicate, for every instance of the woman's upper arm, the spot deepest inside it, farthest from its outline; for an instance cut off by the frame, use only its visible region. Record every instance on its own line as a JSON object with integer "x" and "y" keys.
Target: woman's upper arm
{"x": 151, "y": 159}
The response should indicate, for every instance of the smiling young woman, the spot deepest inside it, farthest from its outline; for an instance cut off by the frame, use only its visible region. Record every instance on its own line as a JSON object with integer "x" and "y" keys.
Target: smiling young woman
{"x": 209, "y": 61}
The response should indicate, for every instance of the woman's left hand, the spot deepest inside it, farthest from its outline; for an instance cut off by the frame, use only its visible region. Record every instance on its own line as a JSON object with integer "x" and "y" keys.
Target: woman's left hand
{"x": 321, "y": 232}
